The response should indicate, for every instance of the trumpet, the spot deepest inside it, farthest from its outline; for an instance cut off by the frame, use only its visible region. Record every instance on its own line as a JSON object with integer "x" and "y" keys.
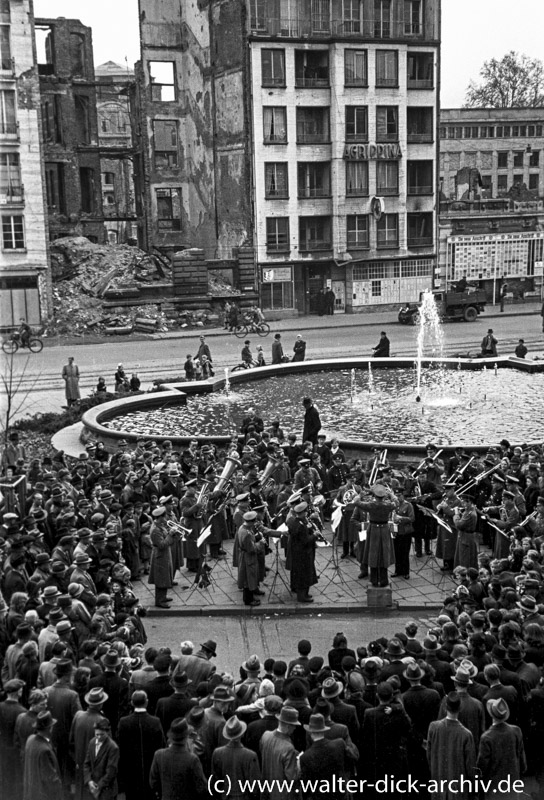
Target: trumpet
{"x": 175, "y": 527}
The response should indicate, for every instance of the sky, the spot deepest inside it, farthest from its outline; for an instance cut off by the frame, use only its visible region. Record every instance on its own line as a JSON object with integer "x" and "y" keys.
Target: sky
{"x": 473, "y": 31}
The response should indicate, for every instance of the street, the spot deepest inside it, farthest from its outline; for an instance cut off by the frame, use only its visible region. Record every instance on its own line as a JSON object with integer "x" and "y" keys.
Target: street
{"x": 333, "y": 338}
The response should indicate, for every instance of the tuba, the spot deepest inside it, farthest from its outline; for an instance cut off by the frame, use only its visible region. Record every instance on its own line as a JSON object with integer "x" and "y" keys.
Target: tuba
{"x": 231, "y": 465}
{"x": 266, "y": 477}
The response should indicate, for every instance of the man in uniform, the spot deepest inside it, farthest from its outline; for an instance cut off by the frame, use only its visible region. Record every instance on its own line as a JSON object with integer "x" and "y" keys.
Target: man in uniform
{"x": 301, "y": 553}
{"x": 378, "y": 552}
{"x": 249, "y": 546}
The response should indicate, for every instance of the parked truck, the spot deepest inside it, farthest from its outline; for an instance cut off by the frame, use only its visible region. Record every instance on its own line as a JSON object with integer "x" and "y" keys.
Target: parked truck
{"x": 451, "y": 305}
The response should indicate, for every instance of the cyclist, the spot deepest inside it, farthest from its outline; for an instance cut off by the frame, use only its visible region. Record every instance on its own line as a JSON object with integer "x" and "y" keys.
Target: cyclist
{"x": 24, "y": 332}
{"x": 247, "y": 357}
{"x": 257, "y": 316}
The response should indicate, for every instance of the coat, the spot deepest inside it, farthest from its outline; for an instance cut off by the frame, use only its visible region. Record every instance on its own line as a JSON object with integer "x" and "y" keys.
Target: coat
{"x": 41, "y": 779}
{"x": 10, "y": 763}
{"x": 248, "y": 566}
{"x": 278, "y": 763}
{"x": 312, "y": 425}
{"x": 139, "y": 737}
{"x": 501, "y": 755}
{"x": 70, "y": 373}
{"x": 379, "y": 551}
{"x": 302, "y": 554}
{"x": 192, "y": 519}
{"x": 236, "y": 762}
{"x": 277, "y": 351}
{"x": 116, "y": 706}
{"x": 81, "y": 733}
{"x": 384, "y": 738}
{"x": 466, "y": 552}
{"x": 176, "y": 772}
{"x": 322, "y": 761}
{"x": 63, "y": 703}
{"x": 170, "y": 708}
{"x": 299, "y": 350}
{"x": 450, "y": 754}
{"x": 160, "y": 570}
{"x": 102, "y": 768}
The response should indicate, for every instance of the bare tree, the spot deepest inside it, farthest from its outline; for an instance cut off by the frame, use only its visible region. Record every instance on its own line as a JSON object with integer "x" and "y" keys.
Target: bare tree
{"x": 14, "y": 394}
{"x": 516, "y": 81}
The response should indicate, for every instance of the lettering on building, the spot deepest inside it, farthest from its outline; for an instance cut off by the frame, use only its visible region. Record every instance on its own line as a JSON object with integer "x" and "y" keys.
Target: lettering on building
{"x": 367, "y": 152}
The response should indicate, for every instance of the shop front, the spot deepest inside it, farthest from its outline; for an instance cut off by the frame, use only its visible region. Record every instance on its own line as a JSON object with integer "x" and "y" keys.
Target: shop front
{"x": 301, "y": 287}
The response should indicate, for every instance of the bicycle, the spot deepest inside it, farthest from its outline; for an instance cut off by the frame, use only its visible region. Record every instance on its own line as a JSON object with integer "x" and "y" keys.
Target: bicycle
{"x": 248, "y": 327}
{"x": 245, "y": 365}
{"x": 11, "y": 345}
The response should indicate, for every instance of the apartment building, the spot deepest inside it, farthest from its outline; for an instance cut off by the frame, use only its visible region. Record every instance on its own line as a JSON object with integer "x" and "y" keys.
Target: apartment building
{"x": 305, "y": 128}
{"x": 70, "y": 128}
{"x": 492, "y": 198}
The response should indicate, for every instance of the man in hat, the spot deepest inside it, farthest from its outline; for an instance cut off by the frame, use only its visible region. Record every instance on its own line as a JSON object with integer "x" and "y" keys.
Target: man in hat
{"x": 139, "y": 737}
{"x": 70, "y": 375}
{"x": 23, "y": 633}
{"x": 63, "y": 702}
{"x": 501, "y": 754}
{"x": 115, "y": 687}
{"x": 24, "y": 725}
{"x": 198, "y": 666}
{"x": 421, "y": 703}
{"x": 471, "y": 710}
{"x": 81, "y": 733}
{"x": 10, "y": 764}
{"x": 489, "y": 345}
{"x": 101, "y": 763}
{"x": 301, "y": 553}
{"x": 383, "y": 738}
{"x": 341, "y": 712}
{"x": 279, "y": 757}
{"x": 161, "y": 570}
{"x": 325, "y": 758}
{"x": 312, "y": 421}
{"x": 378, "y": 553}
{"x": 465, "y": 520}
{"x": 451, "y": 752}
{"x": 233, "y": 764}
{"x": 277, "y": 349}
{"x": 176, "y": 771}
{"x": 382, "y": 348}
{"x": 268, "y": 722}
{"x": 41, "y": 769}
{"x": 80, "y": 573}
{"x": 175, "y": 705}
{"x": 249, "y": 544}
{"x": 214, "y": 718}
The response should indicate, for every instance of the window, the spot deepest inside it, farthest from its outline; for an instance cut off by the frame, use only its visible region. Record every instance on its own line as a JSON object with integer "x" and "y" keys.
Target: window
{"x": 314, "y": 179}
{"x": 45, "y": 49}
{"x": 352, "y": 14}
{"x": 275, "y": 124}
{"x": 387, "y": 68}
{"x": 109, "y": 199}
{"x": 77, "y": 54}
{"x": 276, "y": 180}
{"x": 518, "y": 158}
{"x": 277, "y": 294}
{"x": 487, "y": 185}
{"x": 420, "y": 230}
{"x": 419, "y": 124}
{"x": 534, "y": 158}
{"x": 355, "y": 68}
{"x": 312, "y": 125}
{"x": 506, "y": 131}
{"x": 168, "y": 209}
{"x": 413, "y": 17}
{"x": 420, "y": 177}
{"x": 502, "y": 159}
{"x": 320, "y": 16}
{"x": 357, "y": 231}
{"x": 277, "y": 234}
{"x": 502, "y": 185}
{"x": 311, "y": 68}
{"x": 387, "y": 177}
{"x": 86, "y": 181}
{"x": 257, "y": 14}
{"x": 518, "y": 179}
{"x": 357, "y": 178}
{"x": 161, "y": 76}
{"x": 382, "y": 19}
{"x": 108, "y": 178}
{"x": 8, "y": 116}
{"x": 356, "y": 123}
{"x": 273, "y": 67}
{"x": 420, "y": 71}
{"x": 315, "y": 233}
{"x": 13, "y": 233}
{"x": 387, "y": 123}
{"x": 54, "y": 185}
{"x": 376, "y": 288}
{"x": 10, "y": 175}
{"x": 83, "y": 120}
{"x": 51, "y": 119}
{"x": 165, "y": 141}
{"x": 105, "y": 125}
{"x": 534, "y": 182}
{"x": 5, "y": 48}
{"x": 388, "y": 230}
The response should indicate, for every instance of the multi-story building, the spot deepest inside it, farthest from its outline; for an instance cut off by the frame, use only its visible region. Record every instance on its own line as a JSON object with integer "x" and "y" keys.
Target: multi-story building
{"x": 307, "y": 128}
{"x": 115, "y": 145}
{"x": 70, "y": 128}
{"x": 25, "y": 288}
{"x": 492, "y": 198}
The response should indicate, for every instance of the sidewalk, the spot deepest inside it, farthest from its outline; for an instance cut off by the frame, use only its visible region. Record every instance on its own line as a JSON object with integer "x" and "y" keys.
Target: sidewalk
{"x": 292, "y": 324}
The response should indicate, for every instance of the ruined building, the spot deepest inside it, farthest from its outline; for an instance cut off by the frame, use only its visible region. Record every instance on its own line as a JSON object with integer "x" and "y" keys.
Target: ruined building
{"x": 24, "y": 275}
{"x": 304, "y": 131}
{"x": 70, "y": 129}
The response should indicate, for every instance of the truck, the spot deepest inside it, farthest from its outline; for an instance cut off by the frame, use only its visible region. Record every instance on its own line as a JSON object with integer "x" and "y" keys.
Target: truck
{"x": 451, "y": 305}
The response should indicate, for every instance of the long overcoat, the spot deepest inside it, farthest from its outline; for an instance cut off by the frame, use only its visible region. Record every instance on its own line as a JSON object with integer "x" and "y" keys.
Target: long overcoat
{"x": 248, "y": 560}
{"x": 160, "y": 569}
{"x": 41, "y": 770}
{"x": 102, "y": 768}
{"x": 302, "y": 555}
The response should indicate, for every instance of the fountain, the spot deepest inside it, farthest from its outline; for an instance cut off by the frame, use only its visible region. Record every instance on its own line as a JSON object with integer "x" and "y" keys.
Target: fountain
{"x": 353, "y": 386}
{"x": 227, "y": 382}
{"x": 430, "y": 330}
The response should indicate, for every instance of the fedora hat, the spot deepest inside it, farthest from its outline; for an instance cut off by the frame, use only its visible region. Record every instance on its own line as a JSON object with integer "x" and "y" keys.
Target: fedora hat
{"x": 413, "y": 672}
{"x": 50, "y": 591}
{"x": 394, "y": 648}
{"x": 498, "y": 709}
{"x": 96, "y": 696}
{"x": 64, "y": 626}
{"x": 527, "y": 603}
{"x": 210, "y": 646}
{"x": 43, "y": 721}
{"x": 462, "y": 677}
{"x": 180, "y": 679}
{"x": 221, "y": 694}
{"x": 288, "y": 715}
{"x": 81, "y": 558}
{"x": 75, "y": 589}
{"x": 55, "y": 615}
{"x": 111, "y": 659}
{"x": 252, "y": 664}
{"x": 179, "y": 730}
{"x": 63, "y": 667}
{"x": 316, "y": 724}
{"x": 234, "y": 728}
{"x": 331, "y": 688}
{"x": 470, "y": 667}
{"x": 43, "y": 558}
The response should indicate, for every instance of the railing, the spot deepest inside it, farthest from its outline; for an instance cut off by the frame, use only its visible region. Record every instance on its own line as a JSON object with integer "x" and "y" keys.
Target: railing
{"x": 311, "y": 193}
{"x": 420, "y": 241}
{"x": 279, "y": 194}
{"x": 276, "y": 138}
{"x": 384, "y": 83}
{"x": 9, "y": 128}
{"x": 315, "y": 244}
{"x": 322, "y": 28}
{"x": 387, "y": 137}
{"x": 420, "y": 189}
{"x": 273, "y": 81}
{"x": 387, "y": 190}
{"x": 278, "y": 247}
{"x": 420, "y": 83}
{"x": 311, "y": 82}
{"x": 12, "y": 193}
{"x": 419, "y": 138}
{"x": 313, "y": 138}
{"x": 362, "y": 243}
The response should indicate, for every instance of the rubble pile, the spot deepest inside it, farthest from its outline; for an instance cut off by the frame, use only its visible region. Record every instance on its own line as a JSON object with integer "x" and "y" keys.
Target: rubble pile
{"x": 84, "y": 273}
{"x": 219, "y": 286}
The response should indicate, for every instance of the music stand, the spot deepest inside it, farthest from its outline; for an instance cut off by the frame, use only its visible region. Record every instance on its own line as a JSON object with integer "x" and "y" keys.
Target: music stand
{"x": 430, "y": 559}
{"x": 203, "y": 580}
{"x": 277, "y": 573}
{"x": 333, "y": 562}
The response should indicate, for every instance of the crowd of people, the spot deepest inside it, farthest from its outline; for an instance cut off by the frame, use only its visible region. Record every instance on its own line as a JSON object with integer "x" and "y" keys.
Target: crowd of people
{"x": 88, "y": 709}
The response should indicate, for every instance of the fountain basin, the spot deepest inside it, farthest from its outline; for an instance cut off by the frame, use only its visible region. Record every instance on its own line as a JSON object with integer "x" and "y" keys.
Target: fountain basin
{"x": 215, "y": 419}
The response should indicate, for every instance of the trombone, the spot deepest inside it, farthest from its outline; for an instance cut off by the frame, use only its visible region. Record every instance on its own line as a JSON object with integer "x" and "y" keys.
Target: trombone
{"x": 379, "y": 461}
{"x": 423, "y": 462}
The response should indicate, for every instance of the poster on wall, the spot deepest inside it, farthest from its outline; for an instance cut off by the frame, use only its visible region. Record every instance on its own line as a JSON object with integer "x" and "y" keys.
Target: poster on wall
{"x": 481, "y": 257}
{"x": 277, "y": 274}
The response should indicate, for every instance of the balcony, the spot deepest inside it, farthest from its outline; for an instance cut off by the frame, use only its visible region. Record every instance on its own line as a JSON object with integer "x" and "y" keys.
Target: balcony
{"x": 9, "y": 130}
{"x": 313, "y": 193}
{"x": 419, "y": 190}
{"x": 419, "y": 241}
{"x": 308, "y": 81}
{"x": 321, "y": 27}
{"x": 12, "y": 194}
{"x": 387, "y": 137}
{"x": 315, "y": 245}
{"x": 420, "y": 83}
{"x": 420, "y": 138}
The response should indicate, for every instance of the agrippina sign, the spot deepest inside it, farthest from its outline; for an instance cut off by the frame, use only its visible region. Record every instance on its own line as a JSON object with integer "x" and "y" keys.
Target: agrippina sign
{"x": 366, "y": 152}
